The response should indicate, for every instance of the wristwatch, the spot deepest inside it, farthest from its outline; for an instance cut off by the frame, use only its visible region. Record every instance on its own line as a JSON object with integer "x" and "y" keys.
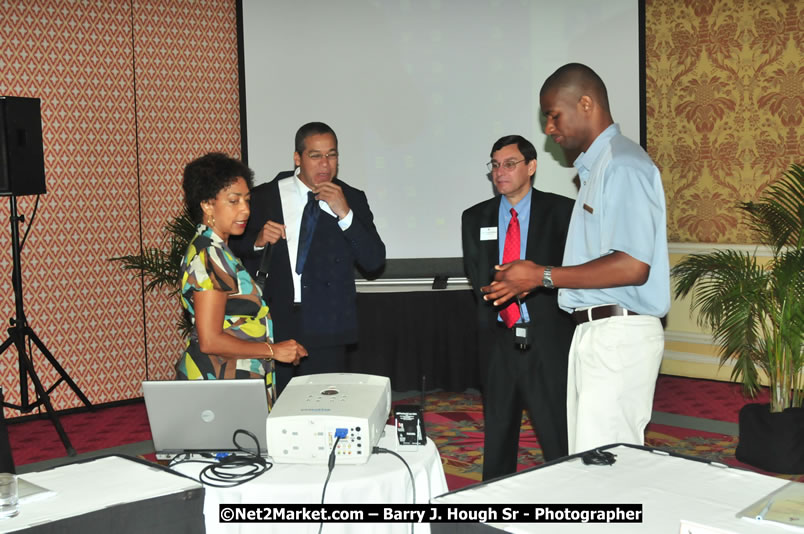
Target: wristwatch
{"x": 547, "y": 277}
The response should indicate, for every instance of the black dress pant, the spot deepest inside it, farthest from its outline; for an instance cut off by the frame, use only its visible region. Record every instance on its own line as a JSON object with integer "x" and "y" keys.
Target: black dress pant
{"x": 319, "y": 360}
{"x": 534, "y": 380}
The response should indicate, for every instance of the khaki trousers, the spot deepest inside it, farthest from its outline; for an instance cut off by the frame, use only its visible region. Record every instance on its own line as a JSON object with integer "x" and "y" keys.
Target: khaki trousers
{"x": 611, "y": 377}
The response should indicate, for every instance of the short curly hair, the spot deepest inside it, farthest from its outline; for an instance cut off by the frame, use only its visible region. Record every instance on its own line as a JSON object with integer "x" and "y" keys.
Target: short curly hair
{"x": 206, "y": 176}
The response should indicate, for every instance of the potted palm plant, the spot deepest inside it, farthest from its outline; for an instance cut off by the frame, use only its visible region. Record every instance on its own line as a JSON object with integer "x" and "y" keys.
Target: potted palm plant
{"x": 756, "y": 312}
{"x": 161, "y": 267}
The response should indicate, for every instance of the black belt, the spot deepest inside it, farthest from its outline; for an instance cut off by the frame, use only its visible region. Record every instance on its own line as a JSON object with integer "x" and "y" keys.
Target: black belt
{"x": 600, "y": 312}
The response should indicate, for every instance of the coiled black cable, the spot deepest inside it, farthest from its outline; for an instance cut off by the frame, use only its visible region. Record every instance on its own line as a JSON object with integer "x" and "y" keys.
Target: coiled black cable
{"x": 230, "y": 471}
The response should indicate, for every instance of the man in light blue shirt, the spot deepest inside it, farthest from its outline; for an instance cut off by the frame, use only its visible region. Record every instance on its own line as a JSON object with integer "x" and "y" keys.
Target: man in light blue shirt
{"x": 615, "y": 276}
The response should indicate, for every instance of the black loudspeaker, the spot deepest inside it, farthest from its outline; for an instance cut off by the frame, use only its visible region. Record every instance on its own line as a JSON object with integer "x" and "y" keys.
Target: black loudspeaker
{"x": 22, "y": 160}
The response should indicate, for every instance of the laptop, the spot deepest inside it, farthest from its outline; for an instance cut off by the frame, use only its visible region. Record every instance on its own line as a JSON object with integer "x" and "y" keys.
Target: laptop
{"x": 200, "y": 416}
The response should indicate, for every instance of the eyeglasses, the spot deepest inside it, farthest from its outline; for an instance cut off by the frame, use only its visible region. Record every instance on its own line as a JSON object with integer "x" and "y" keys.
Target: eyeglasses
{"x": 316, "y": 156}
{"x": 507, "y": 165}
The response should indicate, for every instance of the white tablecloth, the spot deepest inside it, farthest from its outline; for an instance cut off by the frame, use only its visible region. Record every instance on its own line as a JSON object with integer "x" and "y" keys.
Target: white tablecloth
{"x": 705, "y": 497}
{"x": 383, "y": 479}
{"x": 89, "y": 486}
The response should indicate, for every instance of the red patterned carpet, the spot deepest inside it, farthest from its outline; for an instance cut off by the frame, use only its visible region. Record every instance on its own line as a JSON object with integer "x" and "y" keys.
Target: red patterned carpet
{"x": 456, "y": 426}
{"x": 708, "y": 399}
{"x": 454, "y": 421}
{"x": 37, "y": 440}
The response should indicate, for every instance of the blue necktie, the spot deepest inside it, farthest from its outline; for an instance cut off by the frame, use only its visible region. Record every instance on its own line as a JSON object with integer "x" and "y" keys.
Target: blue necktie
{"x": 308, "y": 221}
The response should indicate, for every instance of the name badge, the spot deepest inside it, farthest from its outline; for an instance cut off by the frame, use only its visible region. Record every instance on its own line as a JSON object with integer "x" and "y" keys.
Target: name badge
{"x": 489, "y": 233}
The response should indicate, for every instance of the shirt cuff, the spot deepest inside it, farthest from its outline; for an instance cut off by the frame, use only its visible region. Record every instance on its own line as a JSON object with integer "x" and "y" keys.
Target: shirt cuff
{"x": 257, "y": 249}
{"x": 346, "y": 222}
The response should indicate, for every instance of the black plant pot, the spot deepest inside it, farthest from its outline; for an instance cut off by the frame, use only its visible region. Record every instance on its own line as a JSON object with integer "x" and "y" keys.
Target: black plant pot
{"x": 772, "y": 441}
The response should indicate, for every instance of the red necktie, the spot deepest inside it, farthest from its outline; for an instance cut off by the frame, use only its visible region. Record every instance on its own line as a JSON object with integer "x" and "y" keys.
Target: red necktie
{"x": 510, "y": 314}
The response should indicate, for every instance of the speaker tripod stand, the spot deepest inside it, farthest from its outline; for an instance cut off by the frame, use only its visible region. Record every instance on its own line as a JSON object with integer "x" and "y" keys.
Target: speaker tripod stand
{"x": 18, "y": 333}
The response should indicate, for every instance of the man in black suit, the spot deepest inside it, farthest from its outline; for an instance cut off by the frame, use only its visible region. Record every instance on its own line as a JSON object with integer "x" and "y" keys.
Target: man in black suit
{"x": 310, "y": 289}
{"x": 527, "y": 345}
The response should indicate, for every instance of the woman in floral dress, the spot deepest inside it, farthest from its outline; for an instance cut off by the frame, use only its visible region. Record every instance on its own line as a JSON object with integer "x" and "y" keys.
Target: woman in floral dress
{"x": 232, "y": 334}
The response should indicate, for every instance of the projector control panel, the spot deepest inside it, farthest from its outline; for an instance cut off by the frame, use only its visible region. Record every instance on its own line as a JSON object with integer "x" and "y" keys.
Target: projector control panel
{"x": 308, "y": 443}
{"x": 313, "y": 412}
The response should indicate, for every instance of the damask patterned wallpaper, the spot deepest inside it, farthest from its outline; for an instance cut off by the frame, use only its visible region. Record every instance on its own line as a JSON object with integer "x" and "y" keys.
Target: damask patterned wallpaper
{"x": 131, "y": 91}
{"x": 725, "y": 98}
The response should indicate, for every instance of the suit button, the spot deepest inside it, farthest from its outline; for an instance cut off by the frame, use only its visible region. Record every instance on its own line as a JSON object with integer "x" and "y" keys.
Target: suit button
{"x": 328, "y": 284}
{"x": 337, "y": 260}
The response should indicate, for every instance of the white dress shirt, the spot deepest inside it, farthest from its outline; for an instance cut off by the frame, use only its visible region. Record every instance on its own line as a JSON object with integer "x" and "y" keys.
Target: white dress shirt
{"x": 293, "y": 195}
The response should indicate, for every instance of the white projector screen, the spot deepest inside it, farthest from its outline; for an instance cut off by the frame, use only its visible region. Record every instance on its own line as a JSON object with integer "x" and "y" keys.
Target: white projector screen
{"x": 418, "y": 91}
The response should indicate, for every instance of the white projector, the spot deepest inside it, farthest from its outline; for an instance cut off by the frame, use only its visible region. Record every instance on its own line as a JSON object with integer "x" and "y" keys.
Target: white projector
{"x": 313, "y": 410}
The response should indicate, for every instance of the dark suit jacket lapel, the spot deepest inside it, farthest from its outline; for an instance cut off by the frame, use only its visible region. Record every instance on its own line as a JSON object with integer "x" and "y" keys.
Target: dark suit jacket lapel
{"x": 275, "y": 202}
{"x": 538, "y": 222}
{"x": 491, "y": 248}
{"x": 536, "y": 225}
{"x": 281, "y": 257}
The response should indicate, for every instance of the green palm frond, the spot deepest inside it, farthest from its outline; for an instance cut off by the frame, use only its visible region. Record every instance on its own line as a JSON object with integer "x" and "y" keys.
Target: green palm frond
{"x": 788, "y": 283}
{"x": 157, "y": 266}
{"x": 779, "y": 217}
{"x": 728, "y": 293}
{"x": 756, "y": 312}
{"x": 185, "y": 324}
{"x": 182, "y": 226}
{"x": 161, "y": 267}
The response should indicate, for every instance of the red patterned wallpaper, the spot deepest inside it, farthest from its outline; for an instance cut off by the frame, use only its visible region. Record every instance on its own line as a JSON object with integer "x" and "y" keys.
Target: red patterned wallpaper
{"x": 187, "y": 104}
{"x": 110, "y": 157}
{"x": 725, "y": 96}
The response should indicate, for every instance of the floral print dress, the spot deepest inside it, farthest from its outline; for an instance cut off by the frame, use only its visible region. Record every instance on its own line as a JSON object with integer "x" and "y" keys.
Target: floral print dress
{"x": 209, "y": 264}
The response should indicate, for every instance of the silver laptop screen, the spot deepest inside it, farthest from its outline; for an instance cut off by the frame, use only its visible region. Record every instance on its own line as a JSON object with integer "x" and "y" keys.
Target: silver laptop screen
{"x": 202, "y": 415}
